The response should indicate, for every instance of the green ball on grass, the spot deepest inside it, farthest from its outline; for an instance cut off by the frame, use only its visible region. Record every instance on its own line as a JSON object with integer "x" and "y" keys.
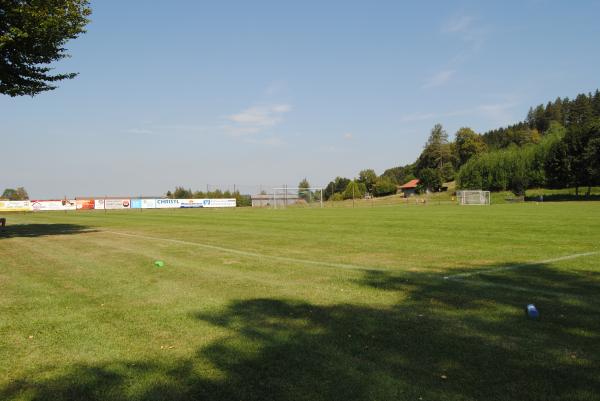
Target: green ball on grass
{"x": 159, "y": 263}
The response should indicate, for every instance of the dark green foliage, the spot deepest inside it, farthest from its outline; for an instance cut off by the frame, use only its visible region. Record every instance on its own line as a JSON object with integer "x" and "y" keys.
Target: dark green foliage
{"x": 400, "y": 174}
{"x": 437, "y": 151}
{"x": 354, "y": 190}
{"x": 33, "y": 34}
{"x": 336, "y": 186}
{"x": 15, "y": 194}
{"x": 430, "y": 179}
{"x": 468, "y": 144}
{"x": 368, "y": 177}
{"x": 384, "y": 186}
{"x": 182, "y": 193}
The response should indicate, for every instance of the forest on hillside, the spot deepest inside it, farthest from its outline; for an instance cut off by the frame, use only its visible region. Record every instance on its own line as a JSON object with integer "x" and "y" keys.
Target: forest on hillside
{"x": 557, "y": 145}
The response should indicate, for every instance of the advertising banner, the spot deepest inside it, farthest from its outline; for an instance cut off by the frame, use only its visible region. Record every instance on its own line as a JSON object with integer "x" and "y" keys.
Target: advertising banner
{"x": 219, "y": 202}
{"x": 191, "y": 203}
{"x": 112, "y": 204}
{"x": 148, "y": 203}
{"x": 44, "y": 205}
{"x": 85, "y": 204}
{"x": 99, "y": 204}
{"x": 167, "y": 203}
{"x": 15, "y": 206}
{"x": 136, "y": 204}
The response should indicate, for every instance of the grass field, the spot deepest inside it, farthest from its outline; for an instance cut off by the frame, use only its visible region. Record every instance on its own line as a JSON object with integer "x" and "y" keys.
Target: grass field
{"x": 383, "y": 303}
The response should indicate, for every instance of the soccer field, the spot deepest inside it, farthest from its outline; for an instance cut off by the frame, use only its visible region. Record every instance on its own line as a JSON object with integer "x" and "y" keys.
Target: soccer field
{"x": 384, "y": 303}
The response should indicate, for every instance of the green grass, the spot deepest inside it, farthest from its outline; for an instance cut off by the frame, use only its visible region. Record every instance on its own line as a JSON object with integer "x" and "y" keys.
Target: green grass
{"x": 302, "y": 304}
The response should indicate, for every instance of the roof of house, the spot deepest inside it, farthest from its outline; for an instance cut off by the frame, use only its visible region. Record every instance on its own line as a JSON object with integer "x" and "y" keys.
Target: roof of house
{"x": 410, "y": 185}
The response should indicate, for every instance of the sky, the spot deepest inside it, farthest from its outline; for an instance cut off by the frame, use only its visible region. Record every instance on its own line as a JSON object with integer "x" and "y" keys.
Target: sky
{"x": 251, "y": 93}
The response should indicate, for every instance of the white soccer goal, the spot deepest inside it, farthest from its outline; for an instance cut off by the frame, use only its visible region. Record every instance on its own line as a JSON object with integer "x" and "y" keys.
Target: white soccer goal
{"x": 473, "y": 197}
{"x": 301, "y": 197}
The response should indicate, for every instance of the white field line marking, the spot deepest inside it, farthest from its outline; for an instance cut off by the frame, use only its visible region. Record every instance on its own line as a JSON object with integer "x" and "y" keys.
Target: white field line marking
{"x": 457, "y": 277}
{"x": 519, "y": 266}
{"x": 246, "y": 253}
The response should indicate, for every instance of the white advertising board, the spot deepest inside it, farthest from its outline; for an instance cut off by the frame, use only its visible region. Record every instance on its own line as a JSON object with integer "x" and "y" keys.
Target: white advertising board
{"x": 148, "y": 203}
{"x": 167, "y": 203}
{"x": 15, "y": 206}
{"x": 99, "y": 204}
{"x": 219, "y": 202}
{"x": 113, "y": 204}
{"x": 45, "y": 205}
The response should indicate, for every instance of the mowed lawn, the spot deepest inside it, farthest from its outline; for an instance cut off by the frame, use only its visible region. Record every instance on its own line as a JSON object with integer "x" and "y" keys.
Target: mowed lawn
{"x": 384, "y": 303}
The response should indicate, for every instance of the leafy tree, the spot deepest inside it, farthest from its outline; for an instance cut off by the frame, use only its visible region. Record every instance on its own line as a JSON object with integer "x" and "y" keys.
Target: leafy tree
{"x": 303, "y": 192}
{"x": 430, "y": 179}
{"x": 15, "y": 194}
{"x": 437, "y": 150}
{"x": 169, "y": 195}
{"x": 468, "y": 144}
{"x": 182, "y": 193}
{"x": 354, "y": 190}
{"x": 384, "y": 186}
{"x": 400, "y": 174}
{"x": 336, "y": 186}
{"x": 368, "y": 177}
{"x": 33, "y": 34}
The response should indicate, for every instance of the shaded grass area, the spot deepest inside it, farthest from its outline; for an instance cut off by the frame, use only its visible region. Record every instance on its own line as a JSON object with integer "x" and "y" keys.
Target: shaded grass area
{"x": 106, "y": 325}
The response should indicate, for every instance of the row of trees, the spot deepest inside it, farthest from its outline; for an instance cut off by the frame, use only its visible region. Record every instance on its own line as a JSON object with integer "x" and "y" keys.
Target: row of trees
{"x": 15, "y": 194}
{"x": 565, "y": 158}
{"x": 555, "y": 146}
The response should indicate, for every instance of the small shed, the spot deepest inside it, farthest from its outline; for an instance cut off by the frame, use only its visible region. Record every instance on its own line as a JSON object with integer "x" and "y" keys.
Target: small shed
{"x": 410, "y": 188}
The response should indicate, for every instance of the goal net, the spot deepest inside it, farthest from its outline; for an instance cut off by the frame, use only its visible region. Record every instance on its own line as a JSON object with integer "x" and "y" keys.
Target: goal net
{"x": 297, "y": 197}
{"x": 474, "y": 197}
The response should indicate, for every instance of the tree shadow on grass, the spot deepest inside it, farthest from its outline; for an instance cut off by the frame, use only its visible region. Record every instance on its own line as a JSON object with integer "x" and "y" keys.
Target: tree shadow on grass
{"x": 42, "y": 230}
{"x": 445, "y": 340}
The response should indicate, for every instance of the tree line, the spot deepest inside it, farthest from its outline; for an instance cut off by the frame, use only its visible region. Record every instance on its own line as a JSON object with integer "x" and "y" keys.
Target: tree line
{"x": 556, "y": 146}
{"x": 182, "y": 193}
{"x": 15, "y": 194}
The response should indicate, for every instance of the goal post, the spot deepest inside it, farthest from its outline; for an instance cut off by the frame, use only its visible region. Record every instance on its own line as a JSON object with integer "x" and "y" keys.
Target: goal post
{"x": 473, "y": 197}
{"x": 298, "y": 197}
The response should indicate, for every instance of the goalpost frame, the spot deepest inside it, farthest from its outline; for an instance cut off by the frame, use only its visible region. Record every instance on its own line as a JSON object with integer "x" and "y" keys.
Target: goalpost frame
{"x": 285, "y": 191}
{"x": 474, "y": 197}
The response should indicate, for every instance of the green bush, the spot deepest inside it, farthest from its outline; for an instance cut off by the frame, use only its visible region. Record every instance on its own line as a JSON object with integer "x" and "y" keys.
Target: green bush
{"x": 384, "y": 186}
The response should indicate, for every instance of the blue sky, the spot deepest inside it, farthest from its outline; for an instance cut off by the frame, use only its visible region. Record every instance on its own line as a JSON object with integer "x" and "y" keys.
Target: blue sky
{"x": 268, "y": 92}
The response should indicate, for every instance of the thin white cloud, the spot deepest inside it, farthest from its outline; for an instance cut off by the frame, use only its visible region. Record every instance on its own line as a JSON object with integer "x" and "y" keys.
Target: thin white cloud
{"x": 467, "y": 29}
{"x": 270, "y": 141}
{"x": 348, "y": 136}
{"x": 256, "y": 119}
{"x": 439, "y": 79}
{"x": 458, "y": 23}
{"x": 141, "y": 131}
{"x": 500, "y": 113}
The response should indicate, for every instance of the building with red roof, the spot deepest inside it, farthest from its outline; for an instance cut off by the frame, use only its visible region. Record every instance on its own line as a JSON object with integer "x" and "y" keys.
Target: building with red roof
{"x": 410, "y": 188}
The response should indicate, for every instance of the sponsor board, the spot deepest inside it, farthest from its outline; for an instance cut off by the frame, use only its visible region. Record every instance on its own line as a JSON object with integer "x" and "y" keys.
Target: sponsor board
{"x": 112, "y": 204}
{"x": 85, "y": 204}
{"x": 167, "y": 203}
{"x": 136, "y": 204}
{"x": 191, "y": 203}
{"x": 219, "y": 202}
{"x": 148, "y": 203}
{"x": 45, "y": 205}
{"x": 15, "y": 206}
{"x": 99, "y": 204}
